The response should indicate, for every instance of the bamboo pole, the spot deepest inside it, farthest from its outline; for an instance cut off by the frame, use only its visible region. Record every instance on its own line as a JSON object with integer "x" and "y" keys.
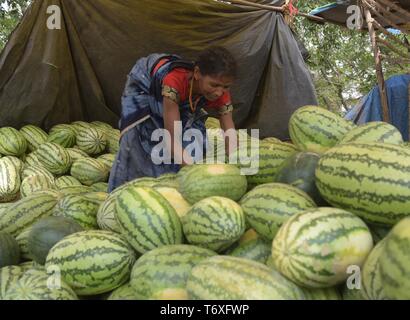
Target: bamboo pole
{"x": 273, "y": 8}
{"x": 396, "y": 15}
{"x": 399, "y": 61}
{"x": 388, "y": 45}
{"x": 389, "y": 35}
{"x": 388, "y": 3}
{"x": 384, "y": 17}
{"x": 379, "y": 70}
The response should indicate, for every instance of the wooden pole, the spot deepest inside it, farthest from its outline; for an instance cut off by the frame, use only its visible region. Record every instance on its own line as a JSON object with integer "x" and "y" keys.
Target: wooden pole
{"x": 390, "y": 4}
{"x": 273, "y": 8}
{"x": 392, "y": 48}
{"x": 384, "y": 17}
{"x": 389, "y": 35}
{"x": 379, "y": 70}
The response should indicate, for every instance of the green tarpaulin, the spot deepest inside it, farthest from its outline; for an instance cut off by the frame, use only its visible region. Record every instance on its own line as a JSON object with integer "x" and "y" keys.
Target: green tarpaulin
{"x": 79, "y": 72}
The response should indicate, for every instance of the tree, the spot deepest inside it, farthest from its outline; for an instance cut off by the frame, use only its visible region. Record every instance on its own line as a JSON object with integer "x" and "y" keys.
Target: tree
{"x": 341, "y": 60}
{"x": 11, "y": 12}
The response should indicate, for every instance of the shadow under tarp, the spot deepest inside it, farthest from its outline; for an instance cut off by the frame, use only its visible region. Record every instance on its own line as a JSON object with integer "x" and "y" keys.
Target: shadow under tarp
{"x": 79, "y": 72}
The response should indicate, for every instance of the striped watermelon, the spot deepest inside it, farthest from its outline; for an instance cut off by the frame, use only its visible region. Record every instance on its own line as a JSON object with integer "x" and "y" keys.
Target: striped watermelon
{"x": 54, "y": 158}
{"x": 92, "y": 140}
{"x": 162, "y": 273}
{"x": 173, "y": 184}
{"x": 31, "y": 265}
{"x": 113, "y": 140}
{"x": 322, "y": 294}
{"x": 266, "y": 158}
{"x": 299, "y": 171}
{"x": 214, "y": 223}
{"x": 139, "y": 182}
{"x": 232, "y": 278}
{"x": 203, "y": 181}
{"x": 47, "y": 232}
{"x": 376, "y": 131}
{"x": 74, "y": 190}
{"x": 89, "y": 171}
{"x": 271, "y": 139}
{"x": 76, "y": 154}
{"x": 268, "y": 206}
{"x": 175, "y": 198}
{"x": 62, "y": 134}
{"x": 34, "y": 136}
{"x": 371, "y": 276}
{"x": 9, "y": 250}
{"x": 79, "y": 125}
{"x": 18, "y": 163}
{"x": 215, "y": 152}
{"x": 8, "y": 276}
{"x": 80, "y": 209}
{"x": 22, "y": 240}
{"x": 353, "y": 294}
{"x": 100, "y": 186}
{"x": 146, "y": 219}
{"x": 66, "y": 181}
{"x": 314, "y": 248}
{"x": 12, "y": 142}
{"x": 102, "y": 125}
{"x": 125, "y": 292}
{"x": 97, "y": 197}
{"x": 316, "y": 129}
{"x": 212, "y": 123}
{"x": 31, "y": 170}
{"x": 107, "y": 159}
{"x": 34, "y": 184}
{"x": 394, "y": 262}
{"x": 26, "y": 211}
{"x": 4, "y": 206}
{"x": 106, "y": 215}
{"x": 92, "y": 261}
{"x": 9, "y": 180}
{"x": 256, "y": 249}
{"x": 371, "y": 180}
{"x": 36, "y": 286}
{"x": 32, "y": 160}
{"x": 167, "y": 177}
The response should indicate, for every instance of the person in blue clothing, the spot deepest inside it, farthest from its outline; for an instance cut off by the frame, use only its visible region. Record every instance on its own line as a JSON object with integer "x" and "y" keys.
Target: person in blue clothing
{"x": 162, "y": 90}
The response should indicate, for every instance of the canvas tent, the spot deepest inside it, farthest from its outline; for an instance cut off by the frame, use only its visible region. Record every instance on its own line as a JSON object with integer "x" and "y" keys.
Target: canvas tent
{"x": 78, "y": 72}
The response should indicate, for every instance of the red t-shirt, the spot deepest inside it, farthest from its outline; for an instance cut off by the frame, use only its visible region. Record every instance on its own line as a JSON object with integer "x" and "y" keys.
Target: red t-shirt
{"x": 176, "y": 85}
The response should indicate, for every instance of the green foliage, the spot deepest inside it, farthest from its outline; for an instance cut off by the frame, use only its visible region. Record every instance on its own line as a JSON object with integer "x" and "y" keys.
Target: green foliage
{"x": 11, "y": 12}
{"x": 341, "y": 60}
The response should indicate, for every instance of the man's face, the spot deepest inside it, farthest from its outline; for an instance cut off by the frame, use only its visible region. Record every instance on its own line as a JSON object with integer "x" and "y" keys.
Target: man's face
{"x": 213, "y": 87}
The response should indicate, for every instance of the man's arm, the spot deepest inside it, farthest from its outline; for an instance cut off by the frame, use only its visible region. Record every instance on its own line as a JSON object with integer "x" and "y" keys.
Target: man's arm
{"x": 171, "y": 114}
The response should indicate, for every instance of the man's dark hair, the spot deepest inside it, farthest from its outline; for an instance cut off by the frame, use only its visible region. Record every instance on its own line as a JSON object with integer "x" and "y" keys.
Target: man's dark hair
{"x": 217, "y": 61}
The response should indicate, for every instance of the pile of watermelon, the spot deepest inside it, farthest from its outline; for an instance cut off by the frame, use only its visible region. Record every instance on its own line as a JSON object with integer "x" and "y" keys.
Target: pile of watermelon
{"x": 326, "y": 217}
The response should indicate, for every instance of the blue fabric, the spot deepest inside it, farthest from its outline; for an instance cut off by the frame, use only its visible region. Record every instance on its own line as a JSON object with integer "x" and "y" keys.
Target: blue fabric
{"x": 142, "y": 97}
{"x": 370, "y": 108}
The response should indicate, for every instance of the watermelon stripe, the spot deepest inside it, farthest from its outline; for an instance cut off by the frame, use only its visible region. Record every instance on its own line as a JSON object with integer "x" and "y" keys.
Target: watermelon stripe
{"x": 147, "y": 219}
